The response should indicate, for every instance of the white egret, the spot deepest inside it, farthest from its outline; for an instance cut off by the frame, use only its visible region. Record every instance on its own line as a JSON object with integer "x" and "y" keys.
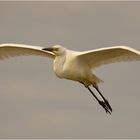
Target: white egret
{"x": 73, "y": 65}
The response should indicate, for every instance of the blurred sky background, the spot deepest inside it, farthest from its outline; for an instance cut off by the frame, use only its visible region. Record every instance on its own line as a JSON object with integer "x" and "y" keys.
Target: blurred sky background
{"x": 34, "y": 103}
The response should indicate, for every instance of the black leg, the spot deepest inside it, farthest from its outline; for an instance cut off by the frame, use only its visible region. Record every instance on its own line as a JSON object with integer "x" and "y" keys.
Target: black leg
{"x": 106, "y": 101}
{"x": 102, "y": 103}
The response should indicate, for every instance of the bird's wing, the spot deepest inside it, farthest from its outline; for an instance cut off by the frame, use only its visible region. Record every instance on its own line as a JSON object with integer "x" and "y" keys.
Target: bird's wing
{"x": 12, "y": 50}
{"x": 102, "y": 56}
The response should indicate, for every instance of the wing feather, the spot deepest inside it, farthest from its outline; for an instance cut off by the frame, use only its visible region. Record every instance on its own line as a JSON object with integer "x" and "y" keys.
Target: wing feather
{"x": 12, "y": 50}
{"x": 102, "y": 56}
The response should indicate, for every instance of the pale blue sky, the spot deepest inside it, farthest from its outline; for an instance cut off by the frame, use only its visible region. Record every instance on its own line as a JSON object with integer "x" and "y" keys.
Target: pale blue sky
{"x": 34, "y": 103}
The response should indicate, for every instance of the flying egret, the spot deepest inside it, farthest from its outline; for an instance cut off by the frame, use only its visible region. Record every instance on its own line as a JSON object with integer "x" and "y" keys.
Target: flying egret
{"x": 74, "y": 65}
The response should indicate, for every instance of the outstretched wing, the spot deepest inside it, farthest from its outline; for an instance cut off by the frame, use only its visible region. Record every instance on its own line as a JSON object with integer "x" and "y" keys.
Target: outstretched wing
{"x": 102, "y": 56}
{"x": 12, "y": 50}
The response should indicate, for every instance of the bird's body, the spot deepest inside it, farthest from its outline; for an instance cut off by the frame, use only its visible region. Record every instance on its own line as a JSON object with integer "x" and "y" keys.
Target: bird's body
{"x": 68, "y": 66}
{"x": 73, "y": 65}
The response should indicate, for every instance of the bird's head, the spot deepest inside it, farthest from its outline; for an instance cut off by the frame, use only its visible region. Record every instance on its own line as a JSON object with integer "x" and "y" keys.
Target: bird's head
{"x": 57, "y": 50}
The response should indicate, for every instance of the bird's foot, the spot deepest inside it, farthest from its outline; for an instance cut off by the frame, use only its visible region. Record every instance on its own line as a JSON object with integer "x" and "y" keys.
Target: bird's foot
{"x": 105, "y": 106}
{"x": 107, "y": 103}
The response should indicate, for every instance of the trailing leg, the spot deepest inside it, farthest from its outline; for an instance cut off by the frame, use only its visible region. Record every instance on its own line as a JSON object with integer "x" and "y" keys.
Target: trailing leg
{"x": 102, "y": 103}
{"x": 105, "y": 100}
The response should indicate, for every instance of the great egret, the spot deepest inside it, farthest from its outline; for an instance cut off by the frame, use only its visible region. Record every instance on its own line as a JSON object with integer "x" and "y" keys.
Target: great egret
{"x": 73, "y": 65}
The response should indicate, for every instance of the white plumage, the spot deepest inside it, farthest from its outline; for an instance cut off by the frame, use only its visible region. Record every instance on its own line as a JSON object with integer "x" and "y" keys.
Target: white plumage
{"x": 75, "y": 65}
{"x": 12, "y": 50}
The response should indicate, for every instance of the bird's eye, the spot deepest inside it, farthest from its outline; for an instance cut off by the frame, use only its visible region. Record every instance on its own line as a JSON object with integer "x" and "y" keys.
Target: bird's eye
{"x": 56, "y": 49}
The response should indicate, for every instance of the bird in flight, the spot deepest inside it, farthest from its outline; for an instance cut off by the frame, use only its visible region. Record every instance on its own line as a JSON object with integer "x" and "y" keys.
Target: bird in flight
{"x": 74, "y": 65}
